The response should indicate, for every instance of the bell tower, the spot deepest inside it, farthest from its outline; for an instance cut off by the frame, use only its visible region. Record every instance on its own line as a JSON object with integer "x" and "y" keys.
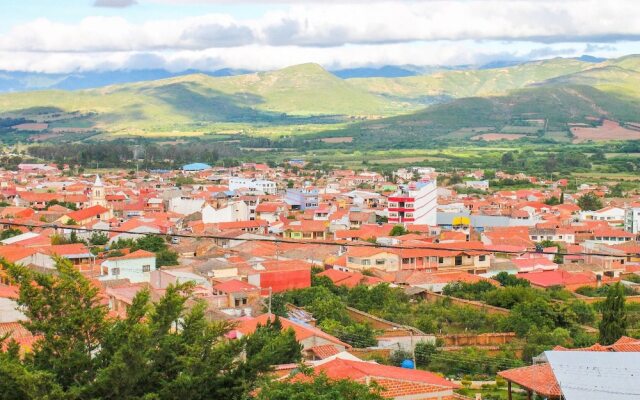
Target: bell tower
{"x": 97, "y": 193}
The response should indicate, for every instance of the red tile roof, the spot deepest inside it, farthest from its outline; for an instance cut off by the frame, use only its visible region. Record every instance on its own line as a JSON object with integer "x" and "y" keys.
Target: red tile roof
{"x": 395, "y": 381}
{"x": 90, "y": 212}
{"x": 539, "y": 378}
{"x": 234, "y": 286}
{"x": 324, "y": 351}
{"x": 248, "y": 325}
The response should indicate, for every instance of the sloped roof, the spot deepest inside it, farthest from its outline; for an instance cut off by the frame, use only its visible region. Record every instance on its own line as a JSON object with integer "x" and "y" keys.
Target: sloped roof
{"x": 249, "y": 325}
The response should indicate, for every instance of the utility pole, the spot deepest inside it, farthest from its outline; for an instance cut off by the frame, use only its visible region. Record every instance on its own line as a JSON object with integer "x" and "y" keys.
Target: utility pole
{"x": 413, "y": 350}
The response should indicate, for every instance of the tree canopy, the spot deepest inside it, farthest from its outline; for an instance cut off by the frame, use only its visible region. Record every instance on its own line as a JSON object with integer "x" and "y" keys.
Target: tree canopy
{"x": 162, "y": 350}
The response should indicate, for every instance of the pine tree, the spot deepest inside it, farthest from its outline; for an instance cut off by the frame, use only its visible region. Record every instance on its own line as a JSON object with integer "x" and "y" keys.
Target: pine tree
{"x": 614, "y": 317}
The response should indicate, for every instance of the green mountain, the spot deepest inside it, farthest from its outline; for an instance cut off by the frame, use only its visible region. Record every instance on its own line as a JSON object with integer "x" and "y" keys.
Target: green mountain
{"x": 276, "y": 97}
{"x": 531, "y": 98}
{"x": 469, "y": 83}
{"x": 533, "y": 111}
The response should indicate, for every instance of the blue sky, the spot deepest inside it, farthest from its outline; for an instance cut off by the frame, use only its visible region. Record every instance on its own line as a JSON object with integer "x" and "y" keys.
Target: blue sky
{"x": 68, "y": 35}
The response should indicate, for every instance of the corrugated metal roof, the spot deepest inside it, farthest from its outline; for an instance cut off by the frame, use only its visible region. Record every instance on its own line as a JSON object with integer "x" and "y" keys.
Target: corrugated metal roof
{"x": 587, "y": 375}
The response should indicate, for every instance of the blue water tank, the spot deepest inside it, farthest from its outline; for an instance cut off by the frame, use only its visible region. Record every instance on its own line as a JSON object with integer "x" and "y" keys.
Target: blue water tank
{"x": 407, "y": 364}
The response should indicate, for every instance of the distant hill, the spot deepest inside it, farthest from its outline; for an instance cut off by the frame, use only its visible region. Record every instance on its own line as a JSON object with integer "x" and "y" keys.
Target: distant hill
{"x": 468, "y": 83}
{"x": 265, "y": 97}
{"x": 17, "y": 81}
{"x": 551, "y": 107}
{"x": 306, "y": 99}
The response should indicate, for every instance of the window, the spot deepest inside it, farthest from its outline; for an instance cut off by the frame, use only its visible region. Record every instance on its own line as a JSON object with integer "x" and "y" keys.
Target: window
{"x": 366, "y": 262}
{"x": 408, "y": 205}
{"x": 482, "y": 258}
{"x": 534, "y": 237}
{"x": 146, "y": 268}
{"x": 380, "y": 261}
{"x": 458, "y": 260}
{"x": 115, "y": 271}
{"x": 406, "y": 260}
{"x": 351, "y": 259}
{"x": 240, "y": 302}
{"x": 440, "y": 260}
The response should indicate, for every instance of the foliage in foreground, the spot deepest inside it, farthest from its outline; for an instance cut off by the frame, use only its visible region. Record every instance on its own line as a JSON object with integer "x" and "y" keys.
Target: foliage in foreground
{"x": 164, "y": 350}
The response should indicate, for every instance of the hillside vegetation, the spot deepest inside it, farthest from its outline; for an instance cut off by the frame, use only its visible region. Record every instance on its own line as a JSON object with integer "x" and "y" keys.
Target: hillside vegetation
{"x": 544, "y": 108}
{"x": 269, "y": 97}
{"x": 540, "y": 98}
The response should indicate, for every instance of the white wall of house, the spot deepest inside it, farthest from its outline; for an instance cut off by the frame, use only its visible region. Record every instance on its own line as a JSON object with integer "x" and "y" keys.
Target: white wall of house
{"x": 233, "y": 212}
{"x": 185, "y": 205}
{"x": 134, "y": 233}
{"x": 134, "y": 269}
{"x": 608, "y": 214}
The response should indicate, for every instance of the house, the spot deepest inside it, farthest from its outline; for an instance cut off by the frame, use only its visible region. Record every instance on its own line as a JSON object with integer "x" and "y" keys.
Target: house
{"x": 414, "y": 204}
{"x": 86, "y": 216}
{"x": 238, "y": 293}
{"x": 395, "y": 382}
{"x": 349, "y": 279}
{"x": 135, "y": 266}
{"x": 542, "y": 378}
{"x": 472, "y": 261}
{"x": 270, "y": 212}
{"x": 531, "y": 263}
{"x": 612, "y": 215}
{"x": 307, "y": 229}
{"x": 364, "y": 257}
{"x": 436, "y": 281}
{"x": 611, "y": 236}
{"x": 78, "y": 253}
{"x": 231, "y": 212}
{"x": 568, "y": 280}
{"x": 302, "y": 199}
{"x": 280, "y": 276}
{"x": 311, "y": 338}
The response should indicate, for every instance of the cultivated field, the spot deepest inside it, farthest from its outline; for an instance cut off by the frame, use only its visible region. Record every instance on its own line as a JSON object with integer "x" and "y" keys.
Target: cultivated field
{"x": 609, "y": 130}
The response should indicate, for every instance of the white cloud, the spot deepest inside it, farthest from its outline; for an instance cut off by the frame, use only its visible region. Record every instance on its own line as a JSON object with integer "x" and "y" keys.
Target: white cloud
{"x": 332, "y": 33}
{"x": 114, "y": 3}
{"x": 340, "y": 24}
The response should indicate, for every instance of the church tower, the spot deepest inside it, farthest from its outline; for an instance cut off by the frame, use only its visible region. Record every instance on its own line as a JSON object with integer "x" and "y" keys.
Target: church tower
{"x": 97, "y": 193}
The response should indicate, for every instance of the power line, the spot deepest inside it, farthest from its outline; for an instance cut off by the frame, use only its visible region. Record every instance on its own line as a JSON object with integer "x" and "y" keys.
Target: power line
{"x": 277, "y": 240}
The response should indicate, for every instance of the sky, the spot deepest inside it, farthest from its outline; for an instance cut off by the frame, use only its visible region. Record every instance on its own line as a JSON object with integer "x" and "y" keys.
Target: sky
{"x": 87, "y": 35}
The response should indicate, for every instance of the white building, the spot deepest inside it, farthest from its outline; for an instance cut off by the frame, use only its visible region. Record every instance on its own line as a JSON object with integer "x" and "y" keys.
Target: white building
{"x": 232, "y": 212}
{"x": 415, "y": 203}
{"x": 136, "y": 267}
{"x": 185, "y": 205}
{"x": 632, "y": 220}
{"x": 254, "y": 185}
{"x": 612, "y": 215}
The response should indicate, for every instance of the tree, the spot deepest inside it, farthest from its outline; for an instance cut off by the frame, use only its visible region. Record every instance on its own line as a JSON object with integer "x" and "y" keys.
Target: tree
{"x": 150, "y": 243}
{"x": 99, "y": 239}
{"x": 507, "y": 279}
{"x": 614, "y": 317}
{"x": 165, "y": 350}
{"x": 271, "y": 345}
{"x": 317, "y": 387}
{"x": 66, "y": 312}
{"x": 398, "y": 230}
{"x": 552, "y": 201}
{"x": 9, "y": 232}
{"x": 166, "y": 257}
{"x": 589, "y": 202}
{"x": 507, "y": 159}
